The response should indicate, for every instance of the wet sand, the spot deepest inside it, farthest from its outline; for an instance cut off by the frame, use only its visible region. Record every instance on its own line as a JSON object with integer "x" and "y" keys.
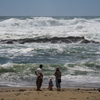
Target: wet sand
{"x": 45, "y": 94}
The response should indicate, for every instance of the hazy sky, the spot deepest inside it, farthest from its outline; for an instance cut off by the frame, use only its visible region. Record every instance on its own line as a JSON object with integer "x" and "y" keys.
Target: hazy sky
{"x": 49, "y": 7}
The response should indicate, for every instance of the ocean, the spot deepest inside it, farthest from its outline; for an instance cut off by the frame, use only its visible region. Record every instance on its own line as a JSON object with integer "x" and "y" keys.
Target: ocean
{"x": 79, "y": 63}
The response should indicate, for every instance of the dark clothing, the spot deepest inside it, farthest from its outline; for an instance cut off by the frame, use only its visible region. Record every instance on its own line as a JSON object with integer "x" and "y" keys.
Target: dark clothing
{"x": 58, "y": 77}
{"x": 59, "y": 80}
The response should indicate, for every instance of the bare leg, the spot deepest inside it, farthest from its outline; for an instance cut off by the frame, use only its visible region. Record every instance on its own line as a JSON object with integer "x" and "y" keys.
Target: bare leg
{"x": 37, "y": 84}
{"x": 40, "y": 83}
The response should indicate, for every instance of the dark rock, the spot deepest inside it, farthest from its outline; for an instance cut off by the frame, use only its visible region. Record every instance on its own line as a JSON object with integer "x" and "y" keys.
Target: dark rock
{"x": 98, "y": 89}
{"x": 9, "y": 42}
{"x": 78, "y": 88}
{"x": 87, "y": 41}
{"x": 70, "y": 39}
{"x": 87, "y": 98}
{"x": 22, "y": 90}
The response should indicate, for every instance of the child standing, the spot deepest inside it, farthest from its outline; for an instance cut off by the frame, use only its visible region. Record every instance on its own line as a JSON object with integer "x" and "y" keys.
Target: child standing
{"x": 50, "y": 84}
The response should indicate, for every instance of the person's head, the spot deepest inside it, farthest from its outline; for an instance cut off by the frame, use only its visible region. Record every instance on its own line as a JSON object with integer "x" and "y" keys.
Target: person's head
{"x": 41, "y": 66}
{"x": 57, "y": 68}
{"x": 50, "y": 79}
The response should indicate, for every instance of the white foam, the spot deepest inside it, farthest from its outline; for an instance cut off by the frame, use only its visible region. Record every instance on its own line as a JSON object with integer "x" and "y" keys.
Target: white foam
{"x": 49, "y": 27}
{"x": 7, "y": 65}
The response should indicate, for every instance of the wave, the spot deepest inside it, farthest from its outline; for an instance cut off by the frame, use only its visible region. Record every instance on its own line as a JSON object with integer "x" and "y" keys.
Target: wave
{"x": 23, "y": 74}
{"x": 45, "y": 21}
{"x": 74, "y": 69}
{"x": 38, "y": 27}
{"x": 54, "y": 53}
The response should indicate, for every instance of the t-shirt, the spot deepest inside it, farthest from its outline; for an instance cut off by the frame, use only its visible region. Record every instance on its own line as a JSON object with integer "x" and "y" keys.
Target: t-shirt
{"x": 38, "y": 71}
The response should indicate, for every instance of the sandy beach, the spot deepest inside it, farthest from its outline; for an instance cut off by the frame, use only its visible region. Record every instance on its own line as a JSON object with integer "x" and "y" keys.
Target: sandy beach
{"x": 45, "y": 94}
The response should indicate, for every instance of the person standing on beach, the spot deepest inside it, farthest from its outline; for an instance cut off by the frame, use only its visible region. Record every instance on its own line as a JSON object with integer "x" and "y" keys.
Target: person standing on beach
{"x": 39, "y": 80}
{"x": 57, "y": 75}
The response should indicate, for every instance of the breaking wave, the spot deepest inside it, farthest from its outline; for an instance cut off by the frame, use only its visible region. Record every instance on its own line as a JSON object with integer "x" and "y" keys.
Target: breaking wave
{"x": 33, "y": 27}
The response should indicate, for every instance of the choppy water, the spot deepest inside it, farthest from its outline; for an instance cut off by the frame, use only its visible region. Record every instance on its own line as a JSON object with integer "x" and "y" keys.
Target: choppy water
{"x": 79, "y": 63}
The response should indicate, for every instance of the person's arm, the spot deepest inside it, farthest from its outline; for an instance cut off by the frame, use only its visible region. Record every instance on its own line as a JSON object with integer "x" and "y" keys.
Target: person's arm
{"x": 36, "y": 73}
{"x": 55, "y": 74}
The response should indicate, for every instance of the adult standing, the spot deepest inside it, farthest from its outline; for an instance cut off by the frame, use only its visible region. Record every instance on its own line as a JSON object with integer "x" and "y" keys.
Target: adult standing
{"x": 57, "y": 75}
{"x": 39, "y": 80}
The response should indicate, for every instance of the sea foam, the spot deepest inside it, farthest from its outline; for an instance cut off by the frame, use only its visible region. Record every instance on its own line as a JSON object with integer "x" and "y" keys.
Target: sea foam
{"x": 50, "y": 27}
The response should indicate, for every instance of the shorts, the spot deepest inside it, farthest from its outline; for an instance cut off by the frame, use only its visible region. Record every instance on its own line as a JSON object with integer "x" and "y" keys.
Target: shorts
{"x": 39, "y": 80}
{"x": 57, "y": 84}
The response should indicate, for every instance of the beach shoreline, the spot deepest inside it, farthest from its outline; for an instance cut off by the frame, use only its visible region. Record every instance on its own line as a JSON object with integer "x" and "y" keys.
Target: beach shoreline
{"x": 68, "y": 85}
{"x": 30, "y": 93}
